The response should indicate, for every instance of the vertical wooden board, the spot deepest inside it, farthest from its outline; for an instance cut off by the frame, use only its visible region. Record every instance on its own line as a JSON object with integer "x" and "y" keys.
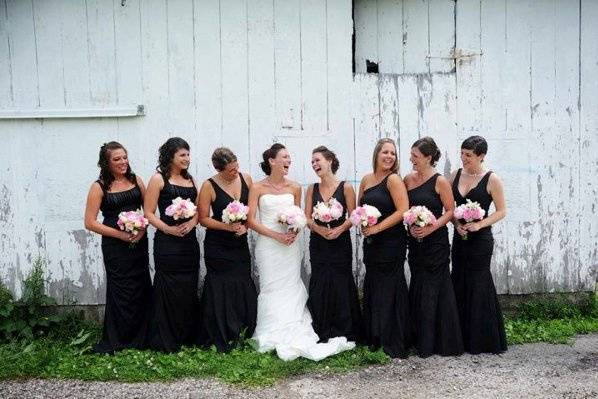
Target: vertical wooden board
{"x": 314, "y": 66}
{"x": 410, "y": 112}
{"x": 6, "y": 91}
{"x": 588, "y": 142}
{"x": 365, "y": 19}
{"x": 50, "y": 53}
{"x": 101, "y": 43}
{"x": 492, "y": 68}
{"x": 510, "y": 160}
{"x": 469, "y": 79}
{"x": 180, "y": 68}
{"x": 261, "y": 81}
{"x": 154, "y": 41}
{"x": 339, "y": 69}
{"x": 441, "y": 121}
{"x": 416, "y": 39}
{"x": 75, "y": 61}
{"x": 390, "y": 35}
{"x": 517, "y": 83}
{"x": 9, "y": 262}
{"x": 442, "y": 35}
{"x": 564, "y": 275}
{"x": 235, "y": 78}
{"x": 129, "y": 71}
{"x": 208, "y": 81}
{"x": 287, "y": 54}
{"x": 22, "y": 39}
{"x": 366, "y": 114}
{"x": 532, "y": 258}
{"x": 389, "y": 106}
{"x": 129, "y": 77}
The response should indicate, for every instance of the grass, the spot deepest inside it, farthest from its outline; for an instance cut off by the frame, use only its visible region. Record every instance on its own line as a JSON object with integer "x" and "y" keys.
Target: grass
{"x": 64, "y": 354}
{"x": 47, "y": 358}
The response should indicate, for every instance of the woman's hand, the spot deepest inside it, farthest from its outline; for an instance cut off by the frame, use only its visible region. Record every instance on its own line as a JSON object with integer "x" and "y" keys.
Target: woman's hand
{"x": 139, "y": 236}
{"x": 370, "y": 230}
{"x": 285, "y": 238}
{"x": 185, "y": 228}
{"x": 334, "y": 233}
{"x": 460, "y": 229}
{"x": 472, "y": 226}
{"x": 421, "y": 232}
{"x": 239, "y": 229}
{"x": 125, "y": 236}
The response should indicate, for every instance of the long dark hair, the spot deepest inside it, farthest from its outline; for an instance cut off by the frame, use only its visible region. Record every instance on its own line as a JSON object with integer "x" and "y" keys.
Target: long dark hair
{"x": 166, "y": 155}
{"x": 106, "y": 177}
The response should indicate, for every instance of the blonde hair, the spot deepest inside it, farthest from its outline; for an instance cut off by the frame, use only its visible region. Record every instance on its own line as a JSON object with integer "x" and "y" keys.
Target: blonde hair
{"x": 378, "y": 148}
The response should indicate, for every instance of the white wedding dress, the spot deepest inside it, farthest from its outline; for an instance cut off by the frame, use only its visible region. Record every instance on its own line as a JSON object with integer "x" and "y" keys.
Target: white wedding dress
{"x": 283, "y": 320}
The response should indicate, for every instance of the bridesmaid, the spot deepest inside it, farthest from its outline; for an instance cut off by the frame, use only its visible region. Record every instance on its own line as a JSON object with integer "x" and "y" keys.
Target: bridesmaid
{"x": 333, "y": 300}
{"x": 433, "y": 307}
{"x": 175, "y": 304}
{"x": 385, "y": 302}
{"x": 229, "y": 299}
{"x": 479, "y": 310}
{"x": 128, "y": 286}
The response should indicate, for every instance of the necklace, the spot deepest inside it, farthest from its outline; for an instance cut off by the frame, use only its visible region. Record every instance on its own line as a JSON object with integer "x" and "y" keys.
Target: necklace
{"x": 274, "y": 186}
{"x": 473, "y": 174}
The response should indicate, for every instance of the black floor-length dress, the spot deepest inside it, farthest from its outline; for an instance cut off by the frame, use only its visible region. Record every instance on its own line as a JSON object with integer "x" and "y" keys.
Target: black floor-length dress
{"x": 175, "y": 302}
{"x": 479, "y": 310}
{"x": 333, "y": 301}
{"x": 386, "y": 300}
{"x": 436, "y": 328}
{"x": 229, "y": 297}
{"x": 128, "y": 283}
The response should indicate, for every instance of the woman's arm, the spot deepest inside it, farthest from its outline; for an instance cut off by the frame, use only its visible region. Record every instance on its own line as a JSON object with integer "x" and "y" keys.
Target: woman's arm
{"x": 496, "y": 190}
{"x": 444, "y": 190}
{"x": 309, "y": 209}
{"x": 206, "y": 196}
{"x": 150, "y": 203}
{"x": 92, "y": 208}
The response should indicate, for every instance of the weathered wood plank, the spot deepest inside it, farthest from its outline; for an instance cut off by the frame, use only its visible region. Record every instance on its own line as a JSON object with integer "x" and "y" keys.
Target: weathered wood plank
{"x": 234, "y": 78}
{"x": 22, "y": 35}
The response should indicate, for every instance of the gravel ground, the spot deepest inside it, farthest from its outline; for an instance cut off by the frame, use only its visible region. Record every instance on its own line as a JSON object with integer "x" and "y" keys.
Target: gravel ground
{"x": 525, "y": 371}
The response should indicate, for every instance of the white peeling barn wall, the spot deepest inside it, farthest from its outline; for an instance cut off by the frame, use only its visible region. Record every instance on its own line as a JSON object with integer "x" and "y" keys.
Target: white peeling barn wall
{"x": 245, "y": 73}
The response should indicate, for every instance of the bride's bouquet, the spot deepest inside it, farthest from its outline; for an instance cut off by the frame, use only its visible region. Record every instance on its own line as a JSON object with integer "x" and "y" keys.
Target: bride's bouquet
{"x": 132, "y": 221}
{"x": 469, "y": 212}
{"x": 181, "y": 209}
{"x": 328, "y": 211}
{"x": 418, "y": 216}
{"x": 235, "y": 212}
{"x": 293, "y": 217}
{"x": 365, "y": 216}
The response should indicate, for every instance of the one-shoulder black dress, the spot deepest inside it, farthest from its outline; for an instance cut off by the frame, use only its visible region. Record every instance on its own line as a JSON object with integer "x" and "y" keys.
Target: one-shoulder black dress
{"x": 385, "y": 295}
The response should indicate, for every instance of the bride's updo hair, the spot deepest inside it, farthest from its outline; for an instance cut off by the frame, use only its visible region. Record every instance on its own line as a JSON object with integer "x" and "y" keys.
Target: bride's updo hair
{"x": 270, "y": 153}
{"x": 329, "y": 156}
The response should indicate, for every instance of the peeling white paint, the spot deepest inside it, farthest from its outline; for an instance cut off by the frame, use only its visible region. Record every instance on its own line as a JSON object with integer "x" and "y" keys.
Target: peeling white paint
{"x": 257, "y": 71}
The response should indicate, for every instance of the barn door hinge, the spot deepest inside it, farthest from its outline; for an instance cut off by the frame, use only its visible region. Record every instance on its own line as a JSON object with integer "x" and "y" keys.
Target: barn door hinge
{"x": 457, "y": 54}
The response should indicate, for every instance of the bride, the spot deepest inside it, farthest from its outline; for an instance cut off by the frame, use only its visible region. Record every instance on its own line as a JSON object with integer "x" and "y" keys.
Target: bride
{"x": 283, "y": 320}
